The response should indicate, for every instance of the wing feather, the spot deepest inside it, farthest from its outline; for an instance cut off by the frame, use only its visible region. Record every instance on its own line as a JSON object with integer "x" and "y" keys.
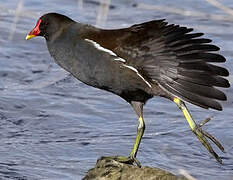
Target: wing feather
{"x": 179, "y": 61}
{"x": 173, "y": 57}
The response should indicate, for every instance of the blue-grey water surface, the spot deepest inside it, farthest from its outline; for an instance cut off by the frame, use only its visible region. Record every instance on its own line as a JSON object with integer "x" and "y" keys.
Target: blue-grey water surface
{"x": 54, "y": 127}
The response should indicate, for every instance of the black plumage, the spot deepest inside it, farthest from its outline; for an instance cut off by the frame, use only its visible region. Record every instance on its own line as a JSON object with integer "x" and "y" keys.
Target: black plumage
{"x": 178, "y": 61}
{"x": 139, "y": 62}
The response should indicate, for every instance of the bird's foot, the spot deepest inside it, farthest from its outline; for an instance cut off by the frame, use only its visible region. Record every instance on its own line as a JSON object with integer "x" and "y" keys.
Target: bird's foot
{"x": 203, "y": 135}
{"x": 123, "y": 159}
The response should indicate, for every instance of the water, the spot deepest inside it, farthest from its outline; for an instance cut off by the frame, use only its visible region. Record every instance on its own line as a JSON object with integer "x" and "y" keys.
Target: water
{"x": 54, "y": 127}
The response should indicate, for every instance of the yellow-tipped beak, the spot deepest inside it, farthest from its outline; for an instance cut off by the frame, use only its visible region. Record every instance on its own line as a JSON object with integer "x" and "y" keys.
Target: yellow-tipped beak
{"x": 29, "y": 36}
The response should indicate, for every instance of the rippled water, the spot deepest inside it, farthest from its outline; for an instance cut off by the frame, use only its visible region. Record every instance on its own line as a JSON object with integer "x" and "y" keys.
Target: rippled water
{"x": 54, "y": 127}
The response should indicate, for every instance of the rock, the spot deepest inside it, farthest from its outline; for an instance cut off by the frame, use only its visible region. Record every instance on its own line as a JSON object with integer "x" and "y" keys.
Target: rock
{"x": 106, "y": 169}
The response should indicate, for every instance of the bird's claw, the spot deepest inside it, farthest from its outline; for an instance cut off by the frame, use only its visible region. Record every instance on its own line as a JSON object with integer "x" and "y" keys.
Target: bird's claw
{"x": 203, "y": 135}
{"x": 123, "y": 159}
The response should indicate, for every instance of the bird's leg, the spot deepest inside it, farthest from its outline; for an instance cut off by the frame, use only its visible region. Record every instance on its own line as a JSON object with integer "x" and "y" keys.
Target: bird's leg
{"x": 201, "y": 134}
{"x": 140, "y": 132}
{"x": 132, "y": 157}
{"x": 138, "y": 107}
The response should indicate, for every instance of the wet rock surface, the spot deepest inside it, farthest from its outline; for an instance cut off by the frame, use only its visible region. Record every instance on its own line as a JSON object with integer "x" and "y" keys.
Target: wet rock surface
{"x": 106, "y": 169}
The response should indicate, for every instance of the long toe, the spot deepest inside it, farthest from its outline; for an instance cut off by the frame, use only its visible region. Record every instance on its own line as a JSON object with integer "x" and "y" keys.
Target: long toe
{"x": 202, "y": 138}
{"x": 123, "y": 159}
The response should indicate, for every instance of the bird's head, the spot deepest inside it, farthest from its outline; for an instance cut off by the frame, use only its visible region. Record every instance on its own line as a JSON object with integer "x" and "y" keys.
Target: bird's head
{"x": 49, "y": 25}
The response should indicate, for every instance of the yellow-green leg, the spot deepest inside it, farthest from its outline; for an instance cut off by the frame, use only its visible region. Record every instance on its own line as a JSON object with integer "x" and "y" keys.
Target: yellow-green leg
{"x": 196, "y": 129}
{"x": 138, "y": 107}
{"x": 132, "y": 157}
{"x": 140, "y": 132}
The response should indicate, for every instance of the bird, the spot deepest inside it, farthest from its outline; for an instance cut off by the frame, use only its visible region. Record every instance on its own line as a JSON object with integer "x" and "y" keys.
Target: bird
{"x": 140, "y": 62}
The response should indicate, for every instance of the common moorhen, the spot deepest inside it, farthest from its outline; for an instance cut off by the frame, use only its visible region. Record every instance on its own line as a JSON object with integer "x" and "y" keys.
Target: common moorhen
{"x": 139, "y": 62}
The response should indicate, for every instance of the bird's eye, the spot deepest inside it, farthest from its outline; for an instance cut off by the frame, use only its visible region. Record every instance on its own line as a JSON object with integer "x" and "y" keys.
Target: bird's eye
{"x": 43, "y": 25}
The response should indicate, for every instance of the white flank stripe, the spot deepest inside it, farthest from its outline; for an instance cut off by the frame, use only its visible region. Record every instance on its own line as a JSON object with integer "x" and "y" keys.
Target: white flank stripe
{"x": 119, "y": 59}
{"x": 135, "y": 70}
{"x": 100, "y": 47}
{"x": 105, "y": 50}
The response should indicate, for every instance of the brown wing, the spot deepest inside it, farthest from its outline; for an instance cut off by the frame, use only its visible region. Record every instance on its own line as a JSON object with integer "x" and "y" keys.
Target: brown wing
{"x": 174, "y": 58}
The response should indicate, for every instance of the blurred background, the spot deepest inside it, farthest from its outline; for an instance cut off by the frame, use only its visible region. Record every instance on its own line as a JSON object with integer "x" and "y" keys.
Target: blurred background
{"x": 55, "y": 127}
